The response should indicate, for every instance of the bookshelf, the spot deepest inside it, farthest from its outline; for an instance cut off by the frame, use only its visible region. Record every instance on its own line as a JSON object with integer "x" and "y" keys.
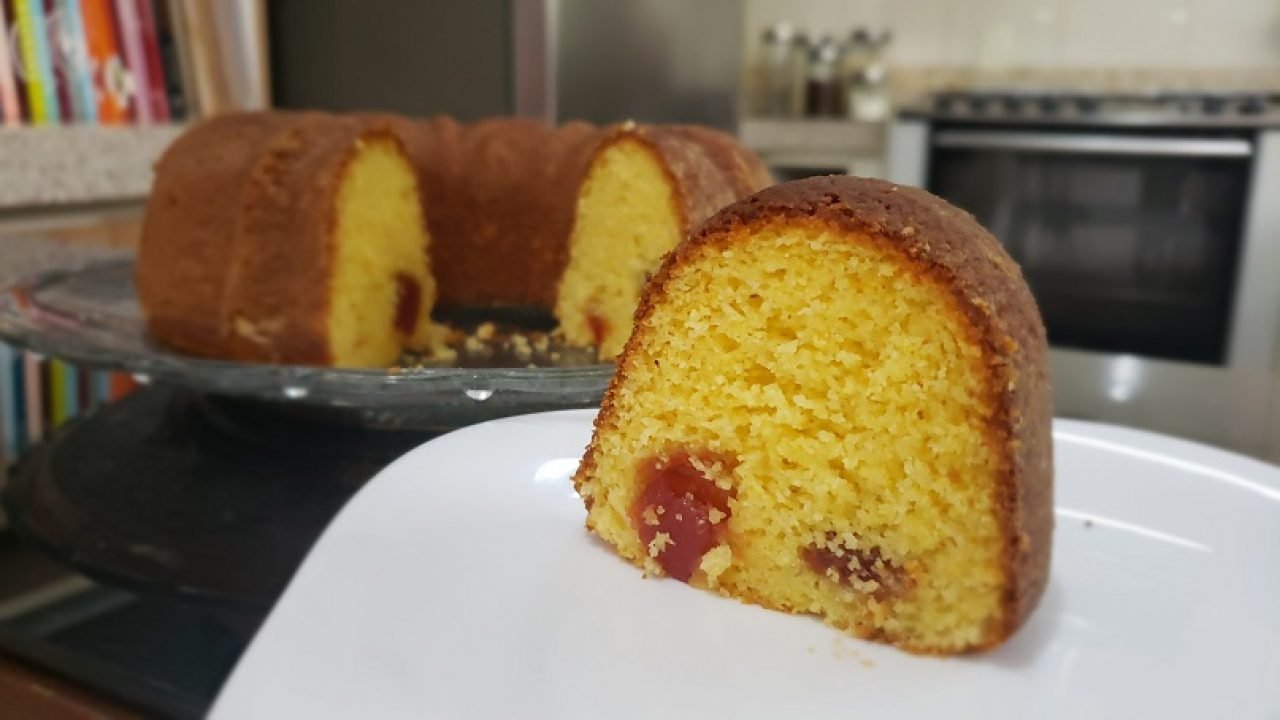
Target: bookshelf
{"x": 38, "y": 394}
{"x": 92, "y": 92}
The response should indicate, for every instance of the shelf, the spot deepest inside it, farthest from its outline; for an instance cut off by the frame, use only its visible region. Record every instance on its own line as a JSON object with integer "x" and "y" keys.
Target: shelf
{"x": 825, "y": 136}
{"x": 68, "y": 165}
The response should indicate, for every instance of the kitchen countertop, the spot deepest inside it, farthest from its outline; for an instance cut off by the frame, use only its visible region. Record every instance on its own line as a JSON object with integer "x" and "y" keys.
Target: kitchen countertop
{"x": 26, "y": 255}
{"x": 1146, "y": 121}
{"x": 79, "y": 164}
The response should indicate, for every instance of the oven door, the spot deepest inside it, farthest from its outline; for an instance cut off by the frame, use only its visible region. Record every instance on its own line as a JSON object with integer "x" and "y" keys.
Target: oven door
{"x": 1130, "y": 242}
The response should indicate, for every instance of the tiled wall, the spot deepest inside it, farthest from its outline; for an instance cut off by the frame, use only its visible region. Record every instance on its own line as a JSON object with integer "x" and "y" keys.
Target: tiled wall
{"x": 1010, "y": 34}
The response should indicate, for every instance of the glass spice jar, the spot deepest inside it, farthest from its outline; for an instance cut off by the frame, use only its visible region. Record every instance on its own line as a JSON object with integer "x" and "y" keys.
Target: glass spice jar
{"x": 824, "y": 91}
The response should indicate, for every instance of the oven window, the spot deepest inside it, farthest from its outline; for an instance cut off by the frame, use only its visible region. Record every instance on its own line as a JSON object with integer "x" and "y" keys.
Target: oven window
{"x": 1125, "y": 254}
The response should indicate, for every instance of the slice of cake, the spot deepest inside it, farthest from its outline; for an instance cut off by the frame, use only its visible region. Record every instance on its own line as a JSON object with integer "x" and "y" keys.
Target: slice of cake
{"x": 647, "y": 187}
{"x": 287, "y": 237}
{"x": 836, "y": 401}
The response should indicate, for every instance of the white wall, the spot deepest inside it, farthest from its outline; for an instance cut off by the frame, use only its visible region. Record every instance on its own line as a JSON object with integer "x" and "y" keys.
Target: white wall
{"x": 1010, "y": 34}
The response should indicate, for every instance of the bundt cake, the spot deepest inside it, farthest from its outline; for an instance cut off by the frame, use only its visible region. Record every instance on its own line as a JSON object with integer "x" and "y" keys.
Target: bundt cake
{"x": 287, "y": 237}
{"x": 566, "y": 220}
{"x": 835, "y": 400}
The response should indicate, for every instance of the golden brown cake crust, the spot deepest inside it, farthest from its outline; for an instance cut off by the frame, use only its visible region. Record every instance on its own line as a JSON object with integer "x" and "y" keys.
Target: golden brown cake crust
{"x": 947, "y": 243}
{"x": 236, "y": 244}
{"x": 190, "y": 216}
{"x": 740, "y": 168}
{"x": 706, "y": 176}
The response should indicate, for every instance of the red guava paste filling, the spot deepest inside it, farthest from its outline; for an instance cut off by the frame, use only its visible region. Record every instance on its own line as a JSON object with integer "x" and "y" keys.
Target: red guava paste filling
{"x": 408, "y": 303}
{"x": 599, "y": 328}
{"x": 863, "y": 564}
{"x": 676, "y": 499}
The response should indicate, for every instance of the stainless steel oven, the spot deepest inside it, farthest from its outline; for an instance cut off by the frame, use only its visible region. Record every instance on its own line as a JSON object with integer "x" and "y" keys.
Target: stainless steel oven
{"x": 1152, "y": 247}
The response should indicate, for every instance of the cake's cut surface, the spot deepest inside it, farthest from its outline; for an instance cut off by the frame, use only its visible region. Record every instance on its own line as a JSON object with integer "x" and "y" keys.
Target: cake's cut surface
{"x": 835, "y": 402}
{"x": 627, "y": 217}
{"x": 379, "y": 234}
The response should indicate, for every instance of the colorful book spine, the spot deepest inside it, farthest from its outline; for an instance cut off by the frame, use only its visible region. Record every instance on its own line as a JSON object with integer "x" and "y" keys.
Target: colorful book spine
{"x": 19, "y": 386}
{"x": 10, "y": 109}
{"x": 33, "y": 372}
{"x": 71, "y": 405}
{"x": 64, "y": 393}
{"x": 56, "y": 410}
{"x": 16, "y": 59}
{"x": 44, "y": 70}
{"x": 121, "y": 385}
{"x": 110, "y": 77}
{"x": 55, "y": 35}
{"x": 39, "y": 395}
{"x": 8, "y": 405}
{"x": 135, "y": 58}
{"x": 176, "y": 66}
{"x": 77, "y": 67}
{"x": 209, "y": 86}
{"x": 101, "y": 388}
{"x": 84, "y": 390}
{"x": 155, "y": 92}
{"x": 28, "y": 56}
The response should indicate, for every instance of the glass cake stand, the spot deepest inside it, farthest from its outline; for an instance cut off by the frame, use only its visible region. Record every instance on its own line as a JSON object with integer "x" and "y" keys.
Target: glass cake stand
{"x": 91, "y": 316}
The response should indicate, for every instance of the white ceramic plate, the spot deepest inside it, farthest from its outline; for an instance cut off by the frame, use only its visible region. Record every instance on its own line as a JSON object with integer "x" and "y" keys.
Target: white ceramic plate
{"x": 461, "y": 583}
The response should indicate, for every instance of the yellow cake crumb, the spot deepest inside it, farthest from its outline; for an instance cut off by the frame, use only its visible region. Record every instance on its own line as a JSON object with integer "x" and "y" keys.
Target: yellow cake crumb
{"x": 520, "y": 346}
{"x": 661, "y": 541}
{"x": 649, "y": 516}
{"x": 715, "y": 562}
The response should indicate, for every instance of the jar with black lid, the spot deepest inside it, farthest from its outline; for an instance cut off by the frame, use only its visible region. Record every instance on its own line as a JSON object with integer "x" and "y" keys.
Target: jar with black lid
{"x": 824, "y": 89}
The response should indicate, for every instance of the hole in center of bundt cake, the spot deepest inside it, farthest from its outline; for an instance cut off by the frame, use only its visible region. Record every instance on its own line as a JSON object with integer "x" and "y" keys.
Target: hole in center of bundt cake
{"x": 864, "y": 569}
{"x": 408, "y": 303}
{"x": 681, "y": 509}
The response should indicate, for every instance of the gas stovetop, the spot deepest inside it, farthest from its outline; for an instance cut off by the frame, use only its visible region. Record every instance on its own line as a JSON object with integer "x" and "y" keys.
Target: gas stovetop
{"x": 1203, "y": 109}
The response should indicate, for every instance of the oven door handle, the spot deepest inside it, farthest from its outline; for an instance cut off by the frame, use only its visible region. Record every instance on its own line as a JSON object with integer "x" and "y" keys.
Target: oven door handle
{"x": 1094, "y": 144}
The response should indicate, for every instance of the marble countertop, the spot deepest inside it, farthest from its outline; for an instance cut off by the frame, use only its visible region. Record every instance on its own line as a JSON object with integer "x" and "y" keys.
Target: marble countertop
{"x": 79, "y": 164}
{"x": 24, "y": 256}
